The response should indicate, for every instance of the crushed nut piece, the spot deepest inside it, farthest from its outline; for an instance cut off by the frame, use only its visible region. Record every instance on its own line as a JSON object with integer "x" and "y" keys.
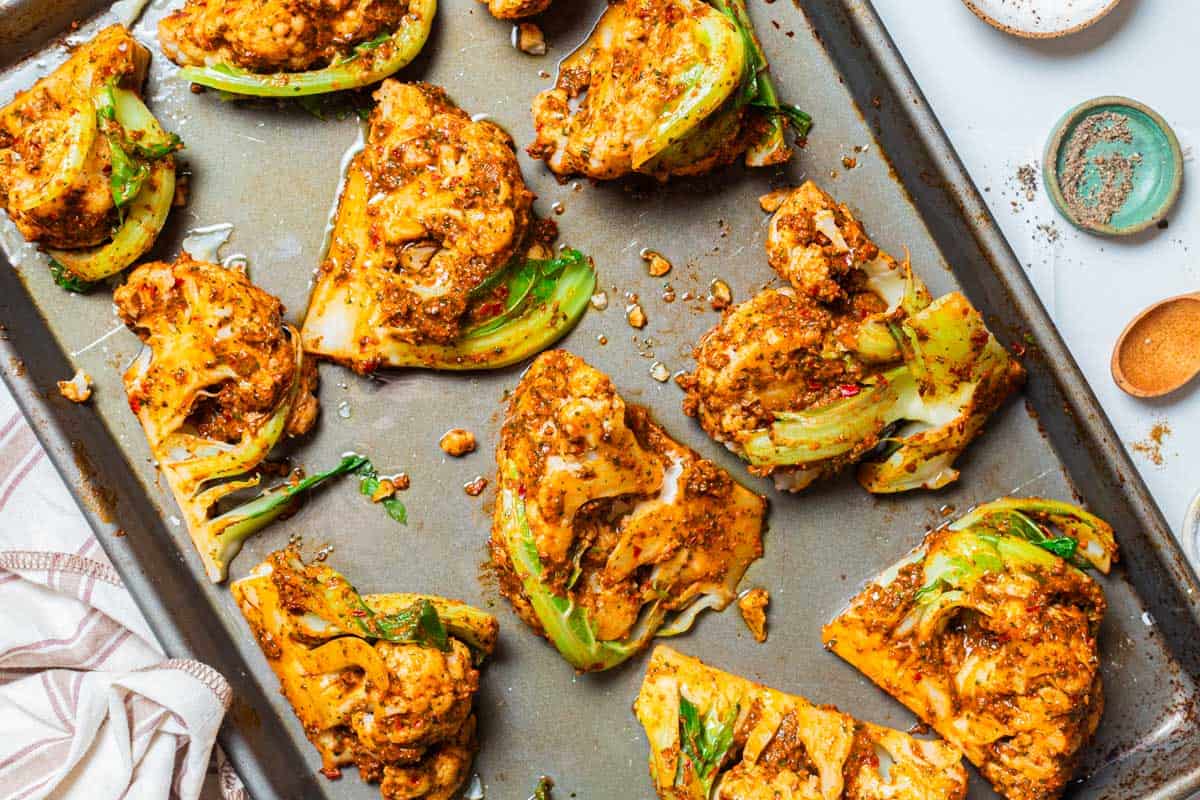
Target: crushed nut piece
{"x": 753, "y": 605}
{"x": 656, "y": 265}
{"x": 78, "y": 389}
{"x": 600, "y": 301}
{"x": 457, "y": 442}
{"x": 719, "y": 294}
{"x": 382, "y": 492}
{"x": 476, "y": 487}
{"x": 530, "y": 39}
{"x": 635, "y": 316}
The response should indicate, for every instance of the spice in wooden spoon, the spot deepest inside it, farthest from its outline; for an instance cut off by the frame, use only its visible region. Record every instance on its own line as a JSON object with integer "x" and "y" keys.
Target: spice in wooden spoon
{"x": 1159, "y": 351}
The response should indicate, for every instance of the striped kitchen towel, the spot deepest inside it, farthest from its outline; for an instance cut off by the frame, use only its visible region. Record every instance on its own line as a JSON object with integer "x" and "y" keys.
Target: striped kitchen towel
{"x": 89, "y": 706}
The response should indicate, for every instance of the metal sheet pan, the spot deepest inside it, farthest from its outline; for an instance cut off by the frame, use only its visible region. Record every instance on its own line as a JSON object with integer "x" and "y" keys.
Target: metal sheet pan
{"x": 272, "y": 171}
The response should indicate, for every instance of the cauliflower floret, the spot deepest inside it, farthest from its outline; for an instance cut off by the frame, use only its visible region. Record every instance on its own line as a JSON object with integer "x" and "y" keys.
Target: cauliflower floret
{"x": 771, "y": 354}
{"x": 815, "y": 243}
{"x": 197, "y": 316}
{"x": 428, "y": 700}
{"x": 992, "y": 640}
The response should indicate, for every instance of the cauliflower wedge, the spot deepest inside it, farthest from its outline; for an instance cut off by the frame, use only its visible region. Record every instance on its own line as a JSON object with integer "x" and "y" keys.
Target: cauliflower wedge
{"x": 987, "y": 632}
{"x": 663, "y": 87}
{"x": 853, "y": 363}
{"x": 717, "y": 736}
{"x": 386, "y": 682}
{"x": 434, "y": 261}
{"x": 607, "y": 532}
{"x": 292, "y": 48}
{"x": 220, "y": 380}
{"x": 85, "y": 169}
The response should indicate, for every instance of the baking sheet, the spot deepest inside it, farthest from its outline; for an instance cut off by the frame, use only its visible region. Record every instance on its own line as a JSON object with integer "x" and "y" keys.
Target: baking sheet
{"x": 272, "y": 171}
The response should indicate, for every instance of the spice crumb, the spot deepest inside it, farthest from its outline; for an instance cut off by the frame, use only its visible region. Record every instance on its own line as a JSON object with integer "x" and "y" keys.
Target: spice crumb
{"x": 659, "y": 372}
{"x": 635, "y": 315}
{"x": 753, "y": 605}
{"x": 529, "y": 39}
{"x": 78, "y": 389}
{"x": 476, "y": 487}
{"x": 457, "y": 442}
{"x": 656, "y": 264}
{"x": 600, "y": 300}
{"x": 719, "y": 294}
{"x": 1151, "y": 447}
{"x": 1050, "y": 231}
{"x": 1027, "y": 178}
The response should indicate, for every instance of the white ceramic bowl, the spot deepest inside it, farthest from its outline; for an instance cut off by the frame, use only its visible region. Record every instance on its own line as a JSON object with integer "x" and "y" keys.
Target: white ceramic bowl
{"x": 1041, "y": 19}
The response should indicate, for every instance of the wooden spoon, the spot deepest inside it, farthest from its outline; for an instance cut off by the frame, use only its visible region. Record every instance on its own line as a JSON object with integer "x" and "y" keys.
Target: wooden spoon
{"x": 1159, "y": 351}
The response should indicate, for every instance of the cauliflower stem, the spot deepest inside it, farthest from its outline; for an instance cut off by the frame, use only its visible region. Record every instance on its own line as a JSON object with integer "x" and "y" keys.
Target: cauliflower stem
{"x": 567, "y": 624}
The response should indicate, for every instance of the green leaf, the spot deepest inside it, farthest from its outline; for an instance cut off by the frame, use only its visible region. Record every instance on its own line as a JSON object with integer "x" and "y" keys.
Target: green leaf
{"x": 800, "y": 120}
{"x": 128, "y": 174}
{"x": 337, "y": 105}
{"x": 69, "y": 280}
{"x": 130, "y": 159}
{"x": 1030, "y": 531}
{"x": 371, "y": 44}
{"x": 370, "y": 482}
{"x": 703, "y": 743}
{"x": 417, "y": 624}
{"x": 529, "y": 281}
{"x": 1061, "y": 546}
{"x": 542, "y": 792}
{"x": 275, "y": 499}
{"x": 153, "y": 152}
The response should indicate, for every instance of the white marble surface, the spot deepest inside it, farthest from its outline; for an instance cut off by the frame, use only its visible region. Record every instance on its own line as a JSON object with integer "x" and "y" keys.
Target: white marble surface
{"x": 998, "y": 97}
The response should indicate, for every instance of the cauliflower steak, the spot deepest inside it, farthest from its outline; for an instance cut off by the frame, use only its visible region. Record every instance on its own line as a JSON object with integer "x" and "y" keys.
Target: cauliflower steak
{"x": 720, "y": 736}
{"x": 220, "y": 380}
{"x": 385, "y": 682}
{"x": 852, "y": 363}
{"x": 434, "y": 261}
{"x": 988, "y": 632}
{"x": 663, "y": 87}
{"x": 604, "y": 526}
{"x": 291, "y": 48}
{"x": 84, "y": 168}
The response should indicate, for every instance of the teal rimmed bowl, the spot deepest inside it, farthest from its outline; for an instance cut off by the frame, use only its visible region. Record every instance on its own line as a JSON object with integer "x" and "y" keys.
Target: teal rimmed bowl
{"x": 1157, "y": 179}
